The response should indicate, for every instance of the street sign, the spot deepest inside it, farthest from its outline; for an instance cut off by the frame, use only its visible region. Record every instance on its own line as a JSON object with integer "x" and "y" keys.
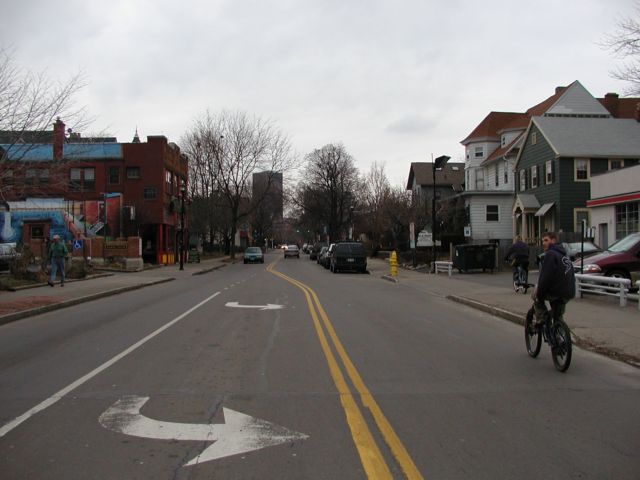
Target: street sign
{"x": 425, "y": 239}
{"x": 467, "y": 231}
{"x": 268, "y": 306}
{"x": 239, "y": 434}
{"x": 77, "y": 244}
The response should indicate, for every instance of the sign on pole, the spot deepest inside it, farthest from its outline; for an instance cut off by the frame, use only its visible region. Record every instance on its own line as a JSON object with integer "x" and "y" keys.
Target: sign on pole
{"x": 77, "y": 244}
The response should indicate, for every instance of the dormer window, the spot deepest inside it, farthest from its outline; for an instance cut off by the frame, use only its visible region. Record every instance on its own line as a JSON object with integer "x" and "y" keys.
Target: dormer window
{"x": 479, "y": 152}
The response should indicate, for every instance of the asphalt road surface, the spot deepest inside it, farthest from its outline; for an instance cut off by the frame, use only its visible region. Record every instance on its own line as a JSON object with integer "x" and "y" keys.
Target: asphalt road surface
{"x": 288, "y": 371}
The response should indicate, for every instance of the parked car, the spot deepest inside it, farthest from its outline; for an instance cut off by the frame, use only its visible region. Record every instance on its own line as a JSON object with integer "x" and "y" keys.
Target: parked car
{"x": 620, "y": 260}
{"x": 348, "y": 256}
{"x": 253, "y": 255}
{"x": 326, "y": 262}
{"x": 315, "y": 250}
{"x": 8, "y": 254}
{"x": 573, "y": 249}
{"x": 321, "y": 255}
{"x": 292, "y": 251}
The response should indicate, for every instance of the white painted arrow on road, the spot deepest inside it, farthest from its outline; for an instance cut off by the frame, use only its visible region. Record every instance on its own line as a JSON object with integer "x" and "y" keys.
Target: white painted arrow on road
{"x": 268, "y": 306}
{"x": 239, "y": 434}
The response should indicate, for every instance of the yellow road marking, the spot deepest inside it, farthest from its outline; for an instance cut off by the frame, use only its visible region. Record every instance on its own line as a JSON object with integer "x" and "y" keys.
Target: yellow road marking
{"x": 360, "y": 432}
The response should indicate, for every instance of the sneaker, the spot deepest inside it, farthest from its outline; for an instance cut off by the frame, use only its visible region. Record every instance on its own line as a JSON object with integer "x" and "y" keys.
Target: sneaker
{"x": 50, "y": 283}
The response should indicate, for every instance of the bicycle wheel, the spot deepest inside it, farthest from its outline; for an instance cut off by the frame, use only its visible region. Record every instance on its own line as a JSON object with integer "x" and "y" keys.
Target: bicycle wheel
{"x": 532, "y": 335}
{"x": 561, "y": 353}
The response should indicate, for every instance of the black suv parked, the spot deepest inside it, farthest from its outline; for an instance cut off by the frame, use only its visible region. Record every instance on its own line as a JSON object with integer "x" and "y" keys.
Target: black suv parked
{"x": 348, "y": 256}
{"x": 315, "y": 250}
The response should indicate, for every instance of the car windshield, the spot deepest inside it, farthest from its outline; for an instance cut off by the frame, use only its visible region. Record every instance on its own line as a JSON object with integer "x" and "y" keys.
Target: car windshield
{"x": 625, "y": 244}
{"x": 350, "y": 248}
{"x": 292, "y": 247}
{"x": 253, "y": 250}
{"x": 576, "y": 247}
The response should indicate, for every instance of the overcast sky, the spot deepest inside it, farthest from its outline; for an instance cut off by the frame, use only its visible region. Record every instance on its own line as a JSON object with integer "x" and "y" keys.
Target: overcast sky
{"x": 393, "y": 81}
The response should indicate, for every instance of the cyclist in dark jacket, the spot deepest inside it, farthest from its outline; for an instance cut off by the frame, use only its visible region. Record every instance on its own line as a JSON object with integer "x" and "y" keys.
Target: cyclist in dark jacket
{"x": 518, "y": 253}
{"x": 556, "y": 281}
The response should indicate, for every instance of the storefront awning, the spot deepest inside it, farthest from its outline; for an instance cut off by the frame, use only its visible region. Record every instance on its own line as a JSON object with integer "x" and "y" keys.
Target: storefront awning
{"x": 542, "y": 211}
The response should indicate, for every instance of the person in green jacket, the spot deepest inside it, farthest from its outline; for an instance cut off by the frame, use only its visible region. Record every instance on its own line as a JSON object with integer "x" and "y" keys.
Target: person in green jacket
{"x": 57, "y": 254}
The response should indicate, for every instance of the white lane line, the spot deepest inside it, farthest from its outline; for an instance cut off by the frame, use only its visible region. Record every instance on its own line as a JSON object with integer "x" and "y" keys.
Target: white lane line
{"x": 72, "y": 386}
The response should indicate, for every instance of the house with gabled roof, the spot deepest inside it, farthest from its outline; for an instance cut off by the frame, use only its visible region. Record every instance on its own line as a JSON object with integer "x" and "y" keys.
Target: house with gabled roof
{"x": 494, "y": 146}
{"x": 555, "y": 164}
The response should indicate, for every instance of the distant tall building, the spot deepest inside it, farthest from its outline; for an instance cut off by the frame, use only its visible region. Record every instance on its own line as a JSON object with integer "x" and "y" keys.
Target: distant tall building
{"x": 268, "y": 187}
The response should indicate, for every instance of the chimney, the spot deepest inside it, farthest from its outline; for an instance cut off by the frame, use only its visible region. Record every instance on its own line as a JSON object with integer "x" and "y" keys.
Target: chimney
{"x": 58, "y": 139}
{"x": 611, "y": 103}
{"x": 559, "y": 89}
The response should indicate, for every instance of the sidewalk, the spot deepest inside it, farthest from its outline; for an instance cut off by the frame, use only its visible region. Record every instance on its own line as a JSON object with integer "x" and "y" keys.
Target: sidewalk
{"x": 40, "y": 299}
{"x": 597, "y": 323}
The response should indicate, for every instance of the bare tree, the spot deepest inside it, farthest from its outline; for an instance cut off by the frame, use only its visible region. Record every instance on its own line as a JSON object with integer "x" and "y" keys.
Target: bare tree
{"x": 328, "y": 192}
{"x": 625, "y": 43}
{"x": 227, "y": 149}
{"x": 376, "y": 191}
{"x": 29, "y": 104}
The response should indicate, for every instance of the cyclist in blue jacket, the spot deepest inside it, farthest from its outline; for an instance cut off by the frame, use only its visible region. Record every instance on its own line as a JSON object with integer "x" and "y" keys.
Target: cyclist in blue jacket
{"x": 556, "y": 280}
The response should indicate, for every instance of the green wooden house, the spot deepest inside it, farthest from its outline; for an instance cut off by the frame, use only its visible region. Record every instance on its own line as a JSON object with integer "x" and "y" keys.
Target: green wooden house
{"x": 559, "y": 155}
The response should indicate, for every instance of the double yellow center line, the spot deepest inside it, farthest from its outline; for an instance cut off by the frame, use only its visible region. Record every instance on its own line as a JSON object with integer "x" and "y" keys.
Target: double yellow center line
{"x": 371, "y": 457}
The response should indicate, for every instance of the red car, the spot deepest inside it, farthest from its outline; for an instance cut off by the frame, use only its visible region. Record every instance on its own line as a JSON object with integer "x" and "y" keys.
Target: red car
{"x": 621, "y": 260}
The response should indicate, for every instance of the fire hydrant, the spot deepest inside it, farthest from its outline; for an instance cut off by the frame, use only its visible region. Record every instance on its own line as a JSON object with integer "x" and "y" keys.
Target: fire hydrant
{"x": 393, "y": 265}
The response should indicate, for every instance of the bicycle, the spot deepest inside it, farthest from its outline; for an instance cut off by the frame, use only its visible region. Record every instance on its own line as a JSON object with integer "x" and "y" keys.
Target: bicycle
{"x": 521, "y": 279}
{"x": 555, "y": 333}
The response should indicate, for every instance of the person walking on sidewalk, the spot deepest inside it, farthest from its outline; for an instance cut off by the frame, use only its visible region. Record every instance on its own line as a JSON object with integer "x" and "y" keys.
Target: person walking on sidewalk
{"x": 518, "y": 254}
{"x": 57, "y": 255}
{"x": 556, "y": 280}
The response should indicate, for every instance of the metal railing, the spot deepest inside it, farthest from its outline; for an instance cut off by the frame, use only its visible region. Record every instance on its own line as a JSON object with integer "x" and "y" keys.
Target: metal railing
{"x": 601, "y": 285}
{"x": 442, "y": 266}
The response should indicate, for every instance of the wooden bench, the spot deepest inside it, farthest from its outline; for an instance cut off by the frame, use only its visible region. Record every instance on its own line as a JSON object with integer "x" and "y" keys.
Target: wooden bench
{"x": 442, "y": 266}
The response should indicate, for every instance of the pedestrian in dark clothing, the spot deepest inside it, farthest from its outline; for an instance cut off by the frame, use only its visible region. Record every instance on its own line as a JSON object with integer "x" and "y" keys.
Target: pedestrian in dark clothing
{"x": 57, "y": 254}
{"x": 518, "y": 254}
{"x": 556, "y": 281}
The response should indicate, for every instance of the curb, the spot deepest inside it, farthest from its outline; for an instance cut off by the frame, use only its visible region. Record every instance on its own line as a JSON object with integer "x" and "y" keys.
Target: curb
{"x": 12, "y": 317}
{"x": 519, "y": 319}
{"x": 68, "y": 280}
{"x": 389, "y": 278}
{"x": 207, "y": 270}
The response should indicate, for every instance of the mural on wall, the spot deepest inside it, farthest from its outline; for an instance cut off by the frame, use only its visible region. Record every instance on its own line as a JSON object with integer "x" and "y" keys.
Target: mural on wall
{"x": 67, "y": 218}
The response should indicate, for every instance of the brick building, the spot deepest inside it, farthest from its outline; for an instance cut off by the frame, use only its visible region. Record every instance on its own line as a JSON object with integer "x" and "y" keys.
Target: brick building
{"x": 109, "y": 188}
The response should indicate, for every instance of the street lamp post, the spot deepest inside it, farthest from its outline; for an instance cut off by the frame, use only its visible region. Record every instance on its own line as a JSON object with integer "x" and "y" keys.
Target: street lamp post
{"x": 183, "y": 192}
{"x": 437, "y": 163}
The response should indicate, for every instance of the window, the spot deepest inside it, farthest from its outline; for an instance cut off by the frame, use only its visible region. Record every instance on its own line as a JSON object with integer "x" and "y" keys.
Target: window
{"x": 37, "y": 231}
{"x": 493, "y": 213}
{"x": 75, "y": 176}
{"x": 479, "y": 179}
{"x": 7, "y": 178}
{"x": 133, "y": 173}
{"x": 506, "y": 172}
{"x": 479, "y": 152}
{"x": 616, "y": 164}
{"x": 30, "y": 176}
{"x": 581, "y": 170}
{"x": 548, "y": 177}
{"x": 580, "y": 214}
{"x": 497, "y": 176}
{"x": 168, "y": 178}
{"x": 627, "y": 219}
{"x": 89, "y": 184}
{"x": 149, "y": 193}
{"x": 43, "y": 176}
{"x": 534, "y": 176}
{"x": 114, "y": 174}
{"x": 523, "y": 180}
{"x": 534, "y": 138}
